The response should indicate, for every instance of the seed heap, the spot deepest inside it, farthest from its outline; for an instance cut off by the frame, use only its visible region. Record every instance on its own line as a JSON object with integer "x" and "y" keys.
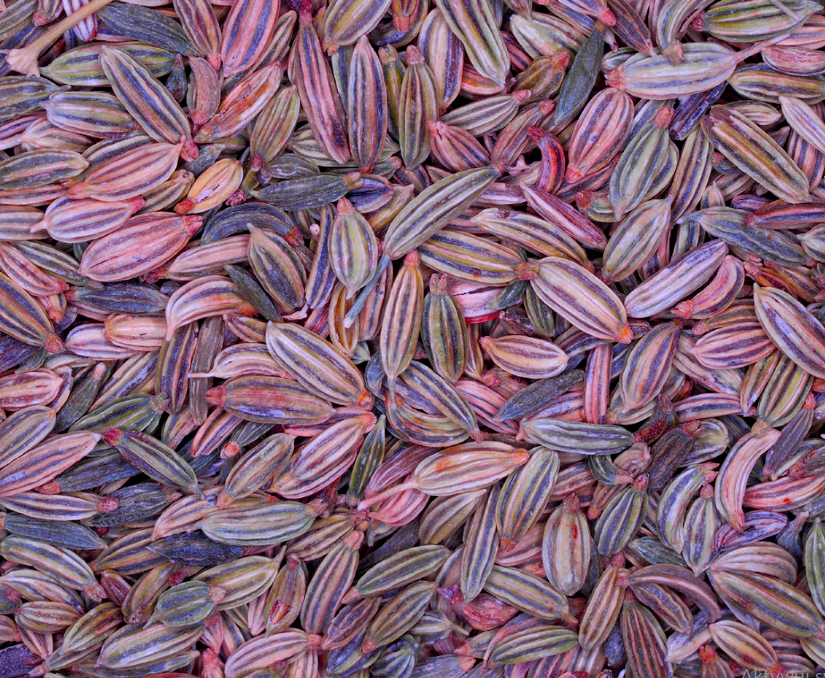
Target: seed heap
{"x": 412, "y": 339}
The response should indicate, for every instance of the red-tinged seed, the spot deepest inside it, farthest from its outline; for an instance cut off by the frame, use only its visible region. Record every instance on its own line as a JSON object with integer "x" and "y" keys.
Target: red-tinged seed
{"x": 246, "y": 34}
{"x": 240, "y": 106}
{"x": 130, "y": 175}
{"x": 142, "y": 244}
{"x": 573, "y": 222}
{"x": 320, "y": 99}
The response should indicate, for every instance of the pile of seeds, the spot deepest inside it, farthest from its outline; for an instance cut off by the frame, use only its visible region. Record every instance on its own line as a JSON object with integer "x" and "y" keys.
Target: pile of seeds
{"x": 412, "y": 339}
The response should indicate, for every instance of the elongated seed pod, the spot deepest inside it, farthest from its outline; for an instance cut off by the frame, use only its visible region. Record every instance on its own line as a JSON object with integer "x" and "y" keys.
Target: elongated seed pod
{"x": 525, "y": 356}
{"x": 66, "y": 567}
{"x": 348, "y": 21}
{"x": 240, "y": 46}
{"x": 474, "y": 24}
{"x": 648, "y": 365}
{"x": 730, "y": 483}
{"x": 641, "y": 163}
{"x": 367, "y": 107}
{"x": 636, "y": 239}
{"x": 432, "y": 209}
{"x": 277, "y": 268}
{"x": 532, "y": 644}
{"x": 402, "y": 319}
{"x": 702, "y": 66}
{"x": 564, "y": 286}
{"x": 554, "y": 210}
{"x": 746, "y": 146}
{"x": 728, "y": 225}
{"x": 572, "y": 435}
{"x": 240, "y": 105}
{"x": 318, "y": 366}
{"x": 201, "y": 26}
{"x": 114, "y": 180}
{"x": 330, "y": 582}
{"x": 676, "y": 281}
{"x": 73, "y": 221}
{"x": 258, "y": 523}
{"x": 524, "y": 496}
{"x": 147, "y": 100}
{"x": 600, "y": 132}
{"x": 527, "y": 593}
{"x": 311, "y": 73}
{"x": 467, "y": 257}
{"x": 444, "y": 331}
{"x": 580, "y": 80}
{"x": 444, "y": 53}
{"x": 532, "y": 233}
{"x": 416, "y": 108}
{"x": 269, "y": 400}
{"x": 204, "y": 298}
{"x": 788, "y": 610}
{"x": 24, "y": 319}
{"x": 274, "y": 125}
{"x": 123, "y": 648}
{"x": 89, "y": 113}
{"x": 353, "y": 248}
{"x": 792, "y": 328}
{"x": 153, "y": 458}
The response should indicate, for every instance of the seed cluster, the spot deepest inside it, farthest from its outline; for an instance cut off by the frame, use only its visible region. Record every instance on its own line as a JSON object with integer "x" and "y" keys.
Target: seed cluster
{"x": 412, "y": 338}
